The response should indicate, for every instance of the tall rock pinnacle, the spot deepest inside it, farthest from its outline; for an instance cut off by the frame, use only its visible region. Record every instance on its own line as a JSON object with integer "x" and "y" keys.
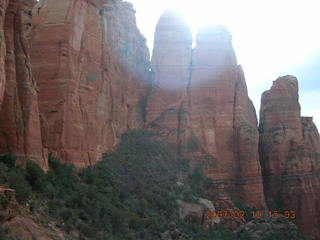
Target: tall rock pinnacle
{"x": 200, "y": 103}
{"x": 290, "y": 150}
{"x": 171, "y": 56}
{"x": 223, "y": 117}
{"x": 170, "y": 63}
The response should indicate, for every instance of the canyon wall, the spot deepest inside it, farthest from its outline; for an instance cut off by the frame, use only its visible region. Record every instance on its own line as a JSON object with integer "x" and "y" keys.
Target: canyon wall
{"x": 290, "y": 154}
{"x": 19, "y": 113}
{"x": 89, "y": 73}
{"x": 90, "y": 62}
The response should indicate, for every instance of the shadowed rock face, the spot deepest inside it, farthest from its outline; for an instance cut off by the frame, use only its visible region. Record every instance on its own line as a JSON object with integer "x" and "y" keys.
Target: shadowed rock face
{"x": 87, "y": 59}
{"x": 200, "y": 103}
{"x": 3, "y": 10}
{"x": 290, "y": 151}
{"x": 19, "y": 113}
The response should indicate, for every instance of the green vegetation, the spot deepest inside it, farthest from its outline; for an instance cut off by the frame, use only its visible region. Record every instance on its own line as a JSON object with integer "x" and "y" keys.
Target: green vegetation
{"x": 4, "y": 201}
{"x": 14, "y": 177}
{"x": 247, "y": 209}
{"x": 8, "y": 160}
{"x": 131, "y": 194}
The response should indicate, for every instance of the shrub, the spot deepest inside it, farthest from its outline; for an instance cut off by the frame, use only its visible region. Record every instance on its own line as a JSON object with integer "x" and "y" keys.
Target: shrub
{"x": 35, "y": 176}
{"x": 8, "y": 159}
{"x": 3, "y": 173}
{"x": 247, "y": 209}
{"x": 4, "y": 201}
{"x": 17, "y": 181}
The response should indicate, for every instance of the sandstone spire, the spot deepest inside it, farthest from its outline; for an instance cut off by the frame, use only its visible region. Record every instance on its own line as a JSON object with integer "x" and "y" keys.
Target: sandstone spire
{"x": 223, "y": 117}
{"x": 170, "y": 63}
{"x": 290, "y": 150}
{"x": 200, "y": 103}
{"x": 171, "y": 56}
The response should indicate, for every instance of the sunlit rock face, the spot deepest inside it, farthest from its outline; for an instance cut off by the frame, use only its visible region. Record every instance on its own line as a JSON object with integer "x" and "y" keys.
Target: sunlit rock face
{"x": 89, "y": 60}
{"x": 200, "y": 103}
{"x": 171, "y": 56}
{"x": 290, "y": 154}
{"x": 171, "y": 61}
{"x": 223, "y": 118}
{"x": 19, "y": 114}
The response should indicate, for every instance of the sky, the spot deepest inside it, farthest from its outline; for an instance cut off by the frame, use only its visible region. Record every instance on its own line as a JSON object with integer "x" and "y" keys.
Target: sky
{"x": 271, "y": 38}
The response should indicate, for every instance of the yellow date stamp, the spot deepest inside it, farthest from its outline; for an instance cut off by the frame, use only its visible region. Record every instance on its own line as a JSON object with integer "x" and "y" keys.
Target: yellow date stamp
{"x": 255, "y": 214}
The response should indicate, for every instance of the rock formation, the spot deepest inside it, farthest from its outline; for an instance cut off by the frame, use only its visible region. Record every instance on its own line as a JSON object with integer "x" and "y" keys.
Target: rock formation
{"x": 223, "y": 118}
{"x": 170, "y": 63}
{"x": 290, "y": 154}
{"x": 19, "y": 113}
{"x": 3, "y": 10}
{"x": 75, "y": 75}
{"x": 89, "y": 60}
{"x": 200, "y": 103}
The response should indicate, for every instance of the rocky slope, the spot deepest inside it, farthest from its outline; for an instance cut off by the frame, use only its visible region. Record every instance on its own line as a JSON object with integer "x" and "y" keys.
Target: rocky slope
{"x": 290, "y": 151}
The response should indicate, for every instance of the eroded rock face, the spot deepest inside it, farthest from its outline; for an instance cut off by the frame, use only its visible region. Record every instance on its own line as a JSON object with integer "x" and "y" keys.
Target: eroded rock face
{"x": 171, "y": 61}
{"x": 3, "y": 10}
{"x": 290, "y": 150}
{"x": 200, "y": 103}
{"x": 89, "y": 60}
{"x": 19, "y": 113}
{"x": 223, "y": 117}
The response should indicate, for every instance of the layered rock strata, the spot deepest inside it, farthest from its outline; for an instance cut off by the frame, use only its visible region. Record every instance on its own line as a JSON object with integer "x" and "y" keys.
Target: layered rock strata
{"x": 290, "y": 154}
{"x": 200, "y": 103}
{"x": 171, "y": 60}
{"x": 3, "y": 10}
{"x": 223, "y": 117}
{"x": 19, "y": 114}
{"x": 89, "y": 60}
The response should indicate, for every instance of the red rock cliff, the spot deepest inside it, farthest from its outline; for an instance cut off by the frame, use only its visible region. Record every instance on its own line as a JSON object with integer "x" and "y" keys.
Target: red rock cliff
{"x": 171, "y": 61}
{"x": 89, "y": 60}
{"x": 19, "y": 113}
{"x": 3, "y": 9}
{"x": 223, "y": 117}
{"x": 200, "y": 102}
{"x": 290, "y": 154}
